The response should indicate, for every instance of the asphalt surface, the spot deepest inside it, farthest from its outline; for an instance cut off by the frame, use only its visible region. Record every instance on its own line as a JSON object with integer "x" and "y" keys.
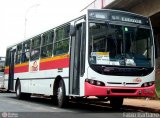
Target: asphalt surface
{"x": 37, "y": 107}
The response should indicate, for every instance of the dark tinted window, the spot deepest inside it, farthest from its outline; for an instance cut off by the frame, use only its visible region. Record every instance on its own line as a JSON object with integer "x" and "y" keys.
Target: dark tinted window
{"x": 47, "y": 44}
{"x": 26, "y": 51}
{"x": 18, "y": 53}
{"x": 61, "y": 44}
{"x": 35, "y": 49}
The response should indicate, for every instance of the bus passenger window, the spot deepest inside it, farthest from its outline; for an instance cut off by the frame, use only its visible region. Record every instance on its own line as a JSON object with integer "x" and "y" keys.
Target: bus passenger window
{"x": 47, "y": 44}
{"x": 61, "y": 44}
{"x": 26, "y": 51}
{"x": 35, "y": 48}
{"x": 18, "y": 54}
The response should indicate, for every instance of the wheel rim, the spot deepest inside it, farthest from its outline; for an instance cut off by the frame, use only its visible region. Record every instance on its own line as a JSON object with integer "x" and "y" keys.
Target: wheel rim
{"x": 59, "y": 95}
{"x": 18, "y": 90}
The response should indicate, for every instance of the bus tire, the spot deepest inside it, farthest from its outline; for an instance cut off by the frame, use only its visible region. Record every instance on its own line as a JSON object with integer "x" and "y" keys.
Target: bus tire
{"x": 18, "y": 90}
{"x": 116, "y": 102}
{"x": 61, "y": 95}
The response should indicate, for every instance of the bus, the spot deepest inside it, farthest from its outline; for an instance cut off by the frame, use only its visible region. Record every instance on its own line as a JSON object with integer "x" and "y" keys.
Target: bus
{"x": 109, "y": 54}
{"x": 2, "y": 64}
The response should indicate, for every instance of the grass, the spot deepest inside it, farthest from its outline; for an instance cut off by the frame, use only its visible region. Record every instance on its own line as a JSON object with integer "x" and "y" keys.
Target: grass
{"x": 157, "y": 82}
{"x": 158, "y": 91}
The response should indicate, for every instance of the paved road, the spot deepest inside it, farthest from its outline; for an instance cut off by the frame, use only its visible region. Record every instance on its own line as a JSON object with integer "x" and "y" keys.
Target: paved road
{"x": 44, "y": 108}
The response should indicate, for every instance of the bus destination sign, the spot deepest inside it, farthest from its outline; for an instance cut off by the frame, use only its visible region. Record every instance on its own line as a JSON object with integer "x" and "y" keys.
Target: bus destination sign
{"x": 126, "y": 19}
{"x": 130, "y": 18}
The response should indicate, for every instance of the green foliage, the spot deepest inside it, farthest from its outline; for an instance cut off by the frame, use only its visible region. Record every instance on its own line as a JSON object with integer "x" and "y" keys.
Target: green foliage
{"x": 158, "y": 91}
{"x": 157, "y": 82}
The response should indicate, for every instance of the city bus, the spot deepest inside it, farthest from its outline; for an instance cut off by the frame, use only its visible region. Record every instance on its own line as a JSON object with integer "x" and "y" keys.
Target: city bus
{"x": 2, "y": 64}
{"x": 108, "y": 54}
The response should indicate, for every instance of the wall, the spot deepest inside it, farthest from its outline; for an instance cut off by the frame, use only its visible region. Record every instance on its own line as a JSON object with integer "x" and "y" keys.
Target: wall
{"x": 146, "y": 7}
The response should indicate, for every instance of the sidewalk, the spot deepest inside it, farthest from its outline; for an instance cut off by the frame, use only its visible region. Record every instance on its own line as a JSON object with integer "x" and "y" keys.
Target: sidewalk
{"x": 143, "y": 104}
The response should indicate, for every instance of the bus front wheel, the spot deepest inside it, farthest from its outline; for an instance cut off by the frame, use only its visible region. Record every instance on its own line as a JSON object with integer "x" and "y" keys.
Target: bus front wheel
{"x": 61, "y": 95}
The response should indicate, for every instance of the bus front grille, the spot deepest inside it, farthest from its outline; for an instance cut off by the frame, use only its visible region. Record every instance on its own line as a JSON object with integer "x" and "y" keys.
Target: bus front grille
{"x": 123, "y": 90}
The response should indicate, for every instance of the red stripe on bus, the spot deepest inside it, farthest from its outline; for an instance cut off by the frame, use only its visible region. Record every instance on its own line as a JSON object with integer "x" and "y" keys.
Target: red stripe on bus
{"x": 60, "y": 63}
{"x": 21, "y": 69}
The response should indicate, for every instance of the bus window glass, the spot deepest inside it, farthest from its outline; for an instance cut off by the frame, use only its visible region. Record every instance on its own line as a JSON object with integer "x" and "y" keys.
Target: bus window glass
{"x": 61, "y": 44}
{"x": 120, "y": 45}
{"x": 47, "y": 44}
{"x": 26, "y": 51}
{"x": 18, "y": 53}
{"x": 44, "y": 39}
{"x": 35, "y": 52}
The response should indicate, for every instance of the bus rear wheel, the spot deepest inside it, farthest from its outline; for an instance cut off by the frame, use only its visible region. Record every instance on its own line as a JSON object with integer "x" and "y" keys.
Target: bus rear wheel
{"x": 61, "y": 95}
{"x": 116, "y": 102}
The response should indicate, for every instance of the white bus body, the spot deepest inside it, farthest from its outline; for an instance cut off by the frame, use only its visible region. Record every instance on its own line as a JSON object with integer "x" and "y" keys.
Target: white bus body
{"x": 104, "y": 53}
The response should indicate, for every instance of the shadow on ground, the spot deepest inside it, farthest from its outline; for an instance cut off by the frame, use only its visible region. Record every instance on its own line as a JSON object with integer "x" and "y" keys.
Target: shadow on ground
{"x": 85, "y": 107}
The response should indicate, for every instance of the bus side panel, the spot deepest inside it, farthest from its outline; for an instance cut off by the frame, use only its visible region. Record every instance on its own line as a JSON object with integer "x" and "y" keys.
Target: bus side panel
{"x": 66, "y": 82}
{"x": 24, "y": 85}
{"x": 45, "y": 86}
{"x": 41, "y": 82}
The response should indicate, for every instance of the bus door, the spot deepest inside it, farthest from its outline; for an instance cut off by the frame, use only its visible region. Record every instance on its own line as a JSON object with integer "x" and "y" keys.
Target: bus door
{"x": 77, "y": 57}
{"x": 11, "y": 69}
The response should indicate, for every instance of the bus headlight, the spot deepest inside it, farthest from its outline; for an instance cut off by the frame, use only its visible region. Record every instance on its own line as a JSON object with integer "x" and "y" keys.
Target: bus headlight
{"x": 92, "y": 82}
{"x": 150, "y": 83}
{"x": 147, "y": 84}
{"x": 98, "y": 83}
{"x": 95, "y": 82}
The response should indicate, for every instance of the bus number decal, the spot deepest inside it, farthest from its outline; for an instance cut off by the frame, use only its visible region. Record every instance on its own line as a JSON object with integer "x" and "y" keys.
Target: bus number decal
{"x": 137, "y": 80}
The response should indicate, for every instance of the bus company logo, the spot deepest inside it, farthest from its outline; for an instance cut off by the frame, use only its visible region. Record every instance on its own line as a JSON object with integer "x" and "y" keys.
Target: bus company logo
{"x": 4, "y": 115}
{"x": 124, "y": 83}
{"x": 34, "y": 66}
{"x": 137, "y": 80}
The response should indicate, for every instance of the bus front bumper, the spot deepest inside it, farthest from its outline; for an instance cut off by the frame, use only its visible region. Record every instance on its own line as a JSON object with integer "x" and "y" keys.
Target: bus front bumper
{"x": 93, "y": 90}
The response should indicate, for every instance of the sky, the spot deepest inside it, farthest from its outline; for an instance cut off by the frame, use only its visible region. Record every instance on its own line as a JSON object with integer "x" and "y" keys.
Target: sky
{"x": 40, "y": 15}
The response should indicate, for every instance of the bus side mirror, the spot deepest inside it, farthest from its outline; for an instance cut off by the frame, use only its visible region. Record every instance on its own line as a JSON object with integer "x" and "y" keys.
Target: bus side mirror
{"x": 72, "y": 30}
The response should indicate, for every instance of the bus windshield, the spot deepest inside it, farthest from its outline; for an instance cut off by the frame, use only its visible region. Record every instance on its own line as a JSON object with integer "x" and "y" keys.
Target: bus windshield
{"x": 118, "y": 45}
